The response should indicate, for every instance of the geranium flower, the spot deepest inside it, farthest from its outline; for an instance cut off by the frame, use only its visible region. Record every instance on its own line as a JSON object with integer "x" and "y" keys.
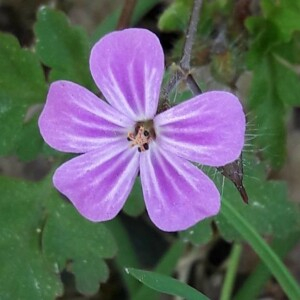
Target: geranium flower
{"x": 124, "y": 136}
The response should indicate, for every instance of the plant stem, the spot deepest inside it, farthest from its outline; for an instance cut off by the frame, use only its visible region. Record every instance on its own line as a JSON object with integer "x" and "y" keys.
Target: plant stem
{"x": 231, "y": 272}
{"x": 126, "y": 14}
{"x": 182, "y": 71}
{"x": 190, "y": 36}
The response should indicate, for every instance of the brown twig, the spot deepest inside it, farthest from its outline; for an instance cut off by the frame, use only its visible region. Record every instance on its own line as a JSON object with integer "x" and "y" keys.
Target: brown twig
{"x": 126, "y": 14}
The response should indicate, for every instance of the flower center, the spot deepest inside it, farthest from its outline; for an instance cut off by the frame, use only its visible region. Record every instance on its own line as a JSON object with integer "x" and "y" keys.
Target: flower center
{"x": 142, "y": 136}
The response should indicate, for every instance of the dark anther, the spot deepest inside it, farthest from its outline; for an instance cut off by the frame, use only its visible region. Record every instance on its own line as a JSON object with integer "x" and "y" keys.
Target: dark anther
{"x": 139, "y": 149}
{"x": 146, "y": 133}
{"x": 146, "y": 146}
{"x": 128, "y": 139}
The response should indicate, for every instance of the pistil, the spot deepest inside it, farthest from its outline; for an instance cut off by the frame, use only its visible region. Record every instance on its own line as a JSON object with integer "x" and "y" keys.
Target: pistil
{"x": 141, "y": 138}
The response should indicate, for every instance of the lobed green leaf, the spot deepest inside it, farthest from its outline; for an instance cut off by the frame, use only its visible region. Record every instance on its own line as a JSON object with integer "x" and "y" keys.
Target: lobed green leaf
{"x": 25, "y": 274}
{"x": 284, "y": 15}
{"x": 22, "y": 84}
{"x": 41, "y": 235}
{"x": 63, "y": 48}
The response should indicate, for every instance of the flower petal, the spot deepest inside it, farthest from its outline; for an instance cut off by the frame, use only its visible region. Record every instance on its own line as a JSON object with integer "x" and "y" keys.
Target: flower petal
{"x": 99, "y": 182}
{"x": 208, "y": 129}
{"x": 128, "y": 66}
{"x": 176, "y": 193}
{"x": 75, "y": 120}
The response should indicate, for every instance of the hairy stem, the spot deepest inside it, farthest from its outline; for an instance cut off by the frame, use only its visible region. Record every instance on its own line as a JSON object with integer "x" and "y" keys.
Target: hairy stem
{"x": 182, "y": 72}
{"x": 190, "y": 36}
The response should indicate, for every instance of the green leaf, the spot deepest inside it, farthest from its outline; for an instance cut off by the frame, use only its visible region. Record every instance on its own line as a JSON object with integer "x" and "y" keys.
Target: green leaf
{"x": 41, "y": 228}
{"x": 165, "y": 266}
{"x": 277, "y": 26}
{"x": 267, "y": 255}
{"x": 284, "y": 14}
{"x": 289, "y": 52}
{"x": 87, "y": 276}
{"x": 268, "y": 211}
{"x": 287, "y": 83}
{"x": 275, "y": 87}
{"x": 30, "y": 142}
{"x": 22, "y": 84}
{"x": 165, "y": 284}
{"x": 199, "y": 234}
{"x": 265, "y": 37}
{"x": 63, "y": 48}
{"x": 266, "y": 101}
{"x": 135, "y": 205}
{"x": 24, "y": 273}
{"x": 176, "y": 16}
{"x": 68, "y": 237}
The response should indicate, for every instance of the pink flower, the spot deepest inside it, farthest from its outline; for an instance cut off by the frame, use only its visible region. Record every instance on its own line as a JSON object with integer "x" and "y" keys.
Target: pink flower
{"x": 124, "y": 137}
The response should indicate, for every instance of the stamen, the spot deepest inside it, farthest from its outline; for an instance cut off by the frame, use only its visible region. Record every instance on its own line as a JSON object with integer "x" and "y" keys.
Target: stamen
{"x": 140, "y": 138}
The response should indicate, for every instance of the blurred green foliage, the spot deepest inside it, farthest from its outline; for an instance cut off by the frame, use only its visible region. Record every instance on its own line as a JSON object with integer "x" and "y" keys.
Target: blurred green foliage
{"x": 176, "y": 16}
{"x": 41, "y": 234}
{"x": 275, "y": 86}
